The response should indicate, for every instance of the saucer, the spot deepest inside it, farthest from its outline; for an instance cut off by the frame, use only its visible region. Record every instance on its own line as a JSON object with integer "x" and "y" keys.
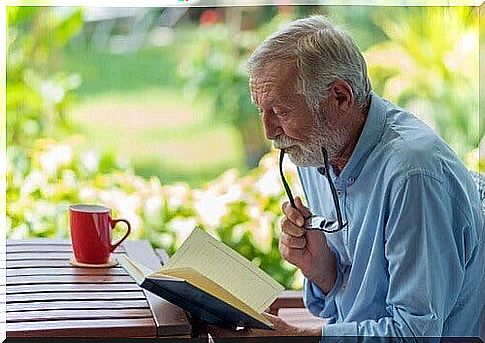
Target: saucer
{"x": 111, "y": 263}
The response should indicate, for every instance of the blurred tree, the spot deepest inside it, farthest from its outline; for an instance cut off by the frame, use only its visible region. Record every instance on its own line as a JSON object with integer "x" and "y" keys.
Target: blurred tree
{"x": 429, "y": 65}
{"x": 38, "y": 93}
{"x": 216, "y": 67}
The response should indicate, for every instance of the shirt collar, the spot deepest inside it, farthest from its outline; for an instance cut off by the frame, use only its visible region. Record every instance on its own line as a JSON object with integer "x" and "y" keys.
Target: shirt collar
{"x": 370, "y": 136}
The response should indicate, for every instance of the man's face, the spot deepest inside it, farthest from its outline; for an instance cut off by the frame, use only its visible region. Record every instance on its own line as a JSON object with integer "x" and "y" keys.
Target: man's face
{"x": 287, "y": 119}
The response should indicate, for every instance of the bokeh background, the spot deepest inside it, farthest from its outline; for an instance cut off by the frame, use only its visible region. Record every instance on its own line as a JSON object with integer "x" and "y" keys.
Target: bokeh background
{"x": 147, "y": 111}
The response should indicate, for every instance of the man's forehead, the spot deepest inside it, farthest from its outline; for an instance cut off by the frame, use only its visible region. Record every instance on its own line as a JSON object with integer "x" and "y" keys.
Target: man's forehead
{"x": 270, "y": 80}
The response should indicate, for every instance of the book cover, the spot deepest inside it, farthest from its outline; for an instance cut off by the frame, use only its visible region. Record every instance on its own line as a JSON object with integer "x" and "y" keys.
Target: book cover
{"x": 211, "y": 281}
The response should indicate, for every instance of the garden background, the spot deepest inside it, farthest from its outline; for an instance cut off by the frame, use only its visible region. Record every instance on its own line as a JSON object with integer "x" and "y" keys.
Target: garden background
{"x": 147, "y": 111}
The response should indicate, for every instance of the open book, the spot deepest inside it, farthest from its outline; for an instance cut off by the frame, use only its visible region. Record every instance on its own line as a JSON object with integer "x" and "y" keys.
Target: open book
{"x": 210, "y": 280}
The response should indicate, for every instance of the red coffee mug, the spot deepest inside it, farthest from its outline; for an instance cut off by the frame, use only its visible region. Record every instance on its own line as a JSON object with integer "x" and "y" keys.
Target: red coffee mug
{"x": 91, "y": 227}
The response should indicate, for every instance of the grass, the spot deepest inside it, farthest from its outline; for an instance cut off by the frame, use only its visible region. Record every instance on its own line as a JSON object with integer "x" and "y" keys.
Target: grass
{"x": 133, "y": 105}
{"x": 160, "y": 134}
{"x": 103, "y": 72}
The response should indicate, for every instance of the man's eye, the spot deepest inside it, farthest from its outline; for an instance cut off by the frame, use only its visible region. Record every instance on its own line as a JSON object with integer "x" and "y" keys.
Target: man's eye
{"x": 280, "y": 112}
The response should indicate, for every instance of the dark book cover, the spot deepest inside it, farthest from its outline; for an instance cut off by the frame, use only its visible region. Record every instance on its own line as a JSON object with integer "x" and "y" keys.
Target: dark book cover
{"x": 208, "y": 307}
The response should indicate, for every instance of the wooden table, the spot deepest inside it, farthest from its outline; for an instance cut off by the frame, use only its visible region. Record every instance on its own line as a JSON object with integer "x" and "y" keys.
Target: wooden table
{"x": 46, "y": 296}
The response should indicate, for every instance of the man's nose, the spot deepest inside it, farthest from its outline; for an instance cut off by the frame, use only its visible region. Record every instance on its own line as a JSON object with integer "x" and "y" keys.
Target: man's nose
{"x": 272, "y": 127}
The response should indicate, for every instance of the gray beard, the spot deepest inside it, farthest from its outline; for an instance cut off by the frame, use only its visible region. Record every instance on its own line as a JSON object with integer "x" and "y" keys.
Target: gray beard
{"x": 323, "y": 134}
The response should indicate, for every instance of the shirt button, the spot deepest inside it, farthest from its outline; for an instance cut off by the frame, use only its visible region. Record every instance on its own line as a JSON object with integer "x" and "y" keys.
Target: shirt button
{"x": 339, "y": 192}
{"x": 351, "y": 179}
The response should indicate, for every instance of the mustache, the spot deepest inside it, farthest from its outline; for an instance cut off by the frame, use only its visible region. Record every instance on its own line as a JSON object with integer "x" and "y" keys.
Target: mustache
{"x": 282, "y": 142}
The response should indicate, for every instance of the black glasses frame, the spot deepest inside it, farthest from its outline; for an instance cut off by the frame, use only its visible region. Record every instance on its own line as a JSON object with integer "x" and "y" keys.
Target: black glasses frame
{"x": 317, "y": 222}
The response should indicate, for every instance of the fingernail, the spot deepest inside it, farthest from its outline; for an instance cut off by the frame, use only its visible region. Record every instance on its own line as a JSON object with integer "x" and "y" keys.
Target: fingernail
{"x": 299, "y": 221}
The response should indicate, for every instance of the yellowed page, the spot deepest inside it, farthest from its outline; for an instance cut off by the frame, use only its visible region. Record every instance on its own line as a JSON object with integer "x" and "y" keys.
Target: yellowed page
{"x": 136, "y": 270}
{"x": 219, "y": 263}
{"x": 212, "y": 288}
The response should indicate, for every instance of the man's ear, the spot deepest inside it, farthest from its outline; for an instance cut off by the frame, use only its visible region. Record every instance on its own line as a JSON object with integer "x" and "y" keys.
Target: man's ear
{"x": 341, "y": 95}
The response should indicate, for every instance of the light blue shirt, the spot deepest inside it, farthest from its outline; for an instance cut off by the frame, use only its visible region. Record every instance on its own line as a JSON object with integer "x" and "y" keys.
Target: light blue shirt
{"x": 411, "y": 260}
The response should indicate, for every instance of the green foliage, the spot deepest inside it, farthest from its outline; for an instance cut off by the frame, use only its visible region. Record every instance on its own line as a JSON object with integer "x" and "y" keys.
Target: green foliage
{"x": 216, "y": 66}
{"x": 37, "y": 93}
{"x": 244, "y": 212}
{"x": 429, "y": 64}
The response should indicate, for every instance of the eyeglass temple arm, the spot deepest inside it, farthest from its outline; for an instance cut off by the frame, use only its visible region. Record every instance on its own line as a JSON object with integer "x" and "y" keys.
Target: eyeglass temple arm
{"x": 332, "y": 189}
{"x": 285, "y": 183}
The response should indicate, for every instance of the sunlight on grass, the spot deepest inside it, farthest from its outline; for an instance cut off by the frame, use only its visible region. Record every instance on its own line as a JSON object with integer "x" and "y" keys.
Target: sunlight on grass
{"x": 161, "y": 134}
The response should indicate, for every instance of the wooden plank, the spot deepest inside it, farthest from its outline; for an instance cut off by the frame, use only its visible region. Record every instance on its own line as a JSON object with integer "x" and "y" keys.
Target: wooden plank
{"x": 287, "y": 299}
{"x": 64, "y": 271}
{"x": 33, "y": 248}
{"x": 54, "y": 279}
{"x": 19, "y": 256}
{"x": 106, "y": 295}
{"x": 39, "y": 241}
{"x": 28, "y": 316}
{"x": 300, "y": 317}
{"x": 42, "y": 264}
{"x": 13, "y": 249}
{"x": 73, "y": 287}
{"x": 170, "y": 319}
{"x": 139, "y": 327}
{"x": 76, "y": 305}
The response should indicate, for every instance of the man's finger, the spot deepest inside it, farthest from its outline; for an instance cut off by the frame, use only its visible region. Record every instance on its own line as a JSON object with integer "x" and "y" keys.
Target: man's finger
{"x": 290, "y": 254}
{"x": 284, "y": 205}
{"x": 305, "y": 211}
{"x": 294, "y": 215}
{"x": 293, "y": 242}
{"x": 291, "y": 229}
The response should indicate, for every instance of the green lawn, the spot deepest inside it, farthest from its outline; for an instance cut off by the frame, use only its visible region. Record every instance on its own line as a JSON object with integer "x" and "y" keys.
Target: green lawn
{"x": 103, "y": 72}
{"x": 161, "y": 134}
{"x": 133, "y": 105}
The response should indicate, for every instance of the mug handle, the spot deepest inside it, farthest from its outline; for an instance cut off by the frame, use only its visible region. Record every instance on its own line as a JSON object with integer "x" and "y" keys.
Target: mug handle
{"x": 113, "y": 224}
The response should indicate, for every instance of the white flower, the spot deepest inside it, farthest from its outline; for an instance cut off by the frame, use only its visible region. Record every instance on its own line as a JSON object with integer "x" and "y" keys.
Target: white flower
{"x": 261, "y": 228}
{"x": 269, "y": 184}
{"x": 182, "y": 228}
{"x": 54, "y": 158}
{"x": 20, "y": 232}
{"x": 125, "y": 206}
{"x": 210, "y": 207}
{"x": 90, "y": 161}
{"x": 87, "y": 194}
{"x": 176, "y": 194}
{"x": 153, "y": 205}
{"x": 69, "y": 179}
{"x": 52, "y": 91}
{"x": 33, "y": 181}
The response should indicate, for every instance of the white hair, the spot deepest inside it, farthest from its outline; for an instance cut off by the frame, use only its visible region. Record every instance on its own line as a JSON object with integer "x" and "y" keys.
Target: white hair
{"x": 323, "y": 54}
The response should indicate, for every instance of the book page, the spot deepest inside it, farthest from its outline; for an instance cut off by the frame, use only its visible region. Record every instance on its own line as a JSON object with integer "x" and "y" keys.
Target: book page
{"x": 216, "y": 261}
{"x": 136, "y": 271}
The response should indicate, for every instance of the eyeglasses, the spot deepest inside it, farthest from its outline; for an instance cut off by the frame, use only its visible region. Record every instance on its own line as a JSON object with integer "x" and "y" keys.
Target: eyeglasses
{"x": 315, "y": 222}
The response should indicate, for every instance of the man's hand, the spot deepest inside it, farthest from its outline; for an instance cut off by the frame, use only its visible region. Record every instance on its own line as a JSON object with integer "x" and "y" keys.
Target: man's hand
{"x": 281, "y": 328}
{"x": 307, "y": 249}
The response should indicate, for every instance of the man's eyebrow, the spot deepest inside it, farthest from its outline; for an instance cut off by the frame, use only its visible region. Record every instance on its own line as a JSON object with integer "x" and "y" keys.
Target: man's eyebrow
{"x": 286, "y": 107}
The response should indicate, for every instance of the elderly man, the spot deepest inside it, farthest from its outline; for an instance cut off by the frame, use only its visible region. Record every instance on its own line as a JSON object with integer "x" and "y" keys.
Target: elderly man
{"x": 410, "y": 259}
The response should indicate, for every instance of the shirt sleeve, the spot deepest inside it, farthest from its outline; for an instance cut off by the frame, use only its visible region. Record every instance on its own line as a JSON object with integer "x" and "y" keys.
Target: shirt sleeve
{"x": 319, "y": 303}
{"x": 426, "y": 262}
